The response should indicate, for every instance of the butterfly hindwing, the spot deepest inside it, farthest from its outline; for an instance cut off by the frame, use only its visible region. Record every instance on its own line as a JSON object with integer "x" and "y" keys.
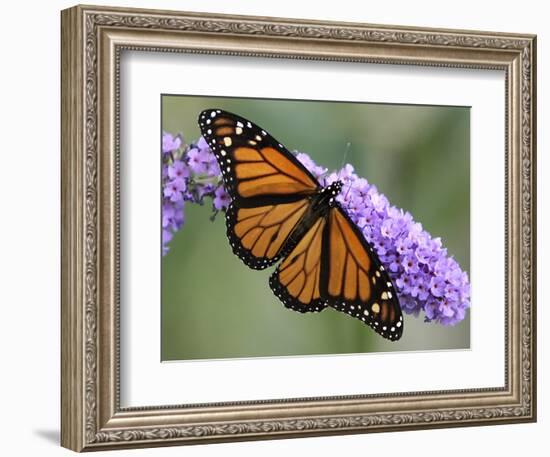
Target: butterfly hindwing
{"x": 334, "y": 265}
{"x": 354, "y": 280}
{"x": 296, "y": 281}
{"x": 258, "y": 235}
{"x": 253, "y": 164}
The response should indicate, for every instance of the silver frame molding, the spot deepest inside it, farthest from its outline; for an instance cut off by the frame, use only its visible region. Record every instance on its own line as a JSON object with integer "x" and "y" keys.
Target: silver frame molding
{"x": 93, "y": 39}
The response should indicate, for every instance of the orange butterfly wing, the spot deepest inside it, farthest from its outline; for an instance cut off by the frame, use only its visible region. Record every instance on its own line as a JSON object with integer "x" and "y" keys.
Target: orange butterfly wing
{"x": 355, "y": 281}
{"x": 269, "y": 187}
{"x": 297, "y": 280}
{"x": 253, "y": 164}
{"x": 259, "y": 235}
{"x": 334, "y": 265}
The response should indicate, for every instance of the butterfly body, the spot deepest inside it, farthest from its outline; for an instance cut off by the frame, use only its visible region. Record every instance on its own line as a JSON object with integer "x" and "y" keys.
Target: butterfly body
{"x": 319, "y": 207}
{"x": 281, "y": 213}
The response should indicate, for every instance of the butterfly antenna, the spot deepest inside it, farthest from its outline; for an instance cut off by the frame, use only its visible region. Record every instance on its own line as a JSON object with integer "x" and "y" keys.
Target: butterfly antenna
{"x": 348, "y": 147}
{"x": 346, "y": 151}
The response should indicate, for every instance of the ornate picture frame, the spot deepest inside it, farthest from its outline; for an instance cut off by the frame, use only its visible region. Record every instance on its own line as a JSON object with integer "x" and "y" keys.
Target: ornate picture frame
{"x": 93, "y": 39}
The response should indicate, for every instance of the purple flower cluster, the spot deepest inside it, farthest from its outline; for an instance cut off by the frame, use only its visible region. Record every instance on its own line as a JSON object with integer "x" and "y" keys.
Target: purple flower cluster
{"x": 426, "y": 278}
{"x": 189, "y": 173}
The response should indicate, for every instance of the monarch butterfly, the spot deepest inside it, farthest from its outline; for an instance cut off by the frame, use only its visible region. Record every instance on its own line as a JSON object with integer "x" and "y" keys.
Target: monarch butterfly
{"x": 280, "y": 211}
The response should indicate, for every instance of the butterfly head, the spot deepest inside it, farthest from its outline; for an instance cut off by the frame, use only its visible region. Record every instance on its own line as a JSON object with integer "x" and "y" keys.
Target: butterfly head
{"x": 332, "y": 191}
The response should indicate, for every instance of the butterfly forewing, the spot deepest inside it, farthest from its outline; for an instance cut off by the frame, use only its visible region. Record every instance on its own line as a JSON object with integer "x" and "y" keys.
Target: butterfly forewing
{"x": 254, "y": 165}
{"x": 354, "y": 280}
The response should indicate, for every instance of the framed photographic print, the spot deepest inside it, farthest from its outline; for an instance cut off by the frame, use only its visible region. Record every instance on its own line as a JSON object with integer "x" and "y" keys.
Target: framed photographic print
{"x": 282, "y": 228}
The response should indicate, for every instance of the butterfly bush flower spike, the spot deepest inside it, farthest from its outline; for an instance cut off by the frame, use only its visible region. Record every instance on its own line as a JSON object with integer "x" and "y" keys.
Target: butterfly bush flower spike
{"x": 174, "y": 183}
{"x": 190, "y": 173}
{"x": 426, "y": 278}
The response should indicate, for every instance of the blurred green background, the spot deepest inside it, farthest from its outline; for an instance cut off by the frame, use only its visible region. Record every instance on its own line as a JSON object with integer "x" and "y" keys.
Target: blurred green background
{"x": 213, "y": 306}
